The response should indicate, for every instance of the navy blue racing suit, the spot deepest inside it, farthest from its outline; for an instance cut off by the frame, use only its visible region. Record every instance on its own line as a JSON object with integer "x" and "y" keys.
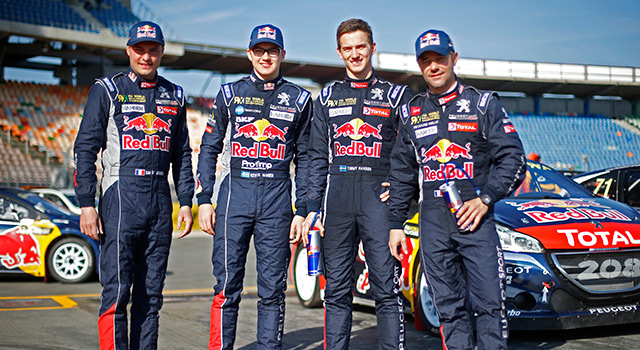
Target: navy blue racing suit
{"x": 264, "y": 126}
{"x": 470, "y": 128}
{"x": 352, "y": 134}
{"x": 140, "y": 126}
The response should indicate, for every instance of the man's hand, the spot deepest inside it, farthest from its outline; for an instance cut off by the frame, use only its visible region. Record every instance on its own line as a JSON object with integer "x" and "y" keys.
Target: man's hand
{"x": 471, "y": 213}
{"x": 207, "y": 218}
{"x": 384, "y": 196}
{"x": 306, "y": 226}
{"x": 295, "y": 233}
{"x": 90, "y": 223}
{"x": 397, "y": 240}
{"x": 184, "y": 215}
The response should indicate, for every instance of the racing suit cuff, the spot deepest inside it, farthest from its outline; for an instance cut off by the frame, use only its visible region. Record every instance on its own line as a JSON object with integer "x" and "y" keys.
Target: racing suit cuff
{"x": 204, "y": 198}
{"x": 185, "y": 200}
{"x": 491, "y": 192}
{"x": 313, "y": 205}
{"x": 395, "y": 223}
{"x": 301, "y": 210}
{"x": 87, "y": 200}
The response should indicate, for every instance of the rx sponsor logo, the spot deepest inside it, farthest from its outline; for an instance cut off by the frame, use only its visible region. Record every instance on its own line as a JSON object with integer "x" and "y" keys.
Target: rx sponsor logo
{"x": 376, "y": 94}
{"x": 283, "y": 98}
{"x": 463, "y": 106}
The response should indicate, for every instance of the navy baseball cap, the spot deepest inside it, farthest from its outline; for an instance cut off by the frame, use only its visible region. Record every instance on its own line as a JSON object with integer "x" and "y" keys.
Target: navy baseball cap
{"x": 434, "y": 40}
{"x": 145, "y": 31}
{"x": 266, "y": 33}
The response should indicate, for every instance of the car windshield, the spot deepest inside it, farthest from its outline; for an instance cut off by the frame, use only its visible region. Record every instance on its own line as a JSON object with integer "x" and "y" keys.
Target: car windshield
{"x": 43, "y": 205}
{"x": 542, "y": 181}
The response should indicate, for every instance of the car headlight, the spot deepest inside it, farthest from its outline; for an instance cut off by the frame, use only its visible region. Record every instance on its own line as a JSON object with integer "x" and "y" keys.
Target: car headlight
{"x": 513, "y": 241}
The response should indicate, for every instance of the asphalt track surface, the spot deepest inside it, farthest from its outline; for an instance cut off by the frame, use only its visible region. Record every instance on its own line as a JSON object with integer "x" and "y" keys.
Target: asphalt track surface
{"x": 54, "y": 316}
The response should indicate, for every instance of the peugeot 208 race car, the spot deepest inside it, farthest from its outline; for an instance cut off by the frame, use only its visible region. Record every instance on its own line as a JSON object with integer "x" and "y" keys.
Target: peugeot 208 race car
{"x": 571, "y": 259}
{"x": 42, "y": 239}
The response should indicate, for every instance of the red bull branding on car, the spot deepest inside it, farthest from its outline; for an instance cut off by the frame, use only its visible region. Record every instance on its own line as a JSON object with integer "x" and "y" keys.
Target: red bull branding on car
{"x": 444, "y": 151}
{"x": 18, "y": 249}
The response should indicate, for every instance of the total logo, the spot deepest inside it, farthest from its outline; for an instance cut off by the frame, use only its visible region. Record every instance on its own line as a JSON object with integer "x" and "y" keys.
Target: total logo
{"x": 260, "y": 130}
{"x": 356, "y": 129}
{"x": 18, "y": 249}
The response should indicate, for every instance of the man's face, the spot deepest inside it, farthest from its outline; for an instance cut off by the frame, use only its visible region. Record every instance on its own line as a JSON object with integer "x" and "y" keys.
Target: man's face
{"x": 145, "y": 57}
{"x": 266, "y": 59}
{"x": 437, "y": 70}
{"x": 356, "y": 51}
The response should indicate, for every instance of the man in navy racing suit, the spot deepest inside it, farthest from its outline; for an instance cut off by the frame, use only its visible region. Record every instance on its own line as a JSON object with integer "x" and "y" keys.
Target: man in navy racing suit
{"x": 352, "y": 134}
{"x": 455, "y": 133}
{"x": 259, "y": 125}
{"x": 138, "y": 120}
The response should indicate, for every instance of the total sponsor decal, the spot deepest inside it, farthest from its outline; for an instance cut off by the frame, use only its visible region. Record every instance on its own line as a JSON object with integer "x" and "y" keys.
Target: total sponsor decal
{"x": 356, "y": 129}
{"x": 585, "y": 235}
{"x": 463, "y": 127}
{"x": 167, "y": 110}
{"x": 509, "y": 129}
{"x": 260, "y": 130}
{"x": 18, "y": 249}
{"x": 148, "y": 123}
{"x": 379, "y": 112}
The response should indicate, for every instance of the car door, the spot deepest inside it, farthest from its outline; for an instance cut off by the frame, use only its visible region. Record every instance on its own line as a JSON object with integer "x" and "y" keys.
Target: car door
{"x": 630, "y": 187}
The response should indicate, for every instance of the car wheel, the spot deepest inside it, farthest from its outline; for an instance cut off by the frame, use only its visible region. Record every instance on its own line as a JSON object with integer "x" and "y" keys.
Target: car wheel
{"x": 425, "y": 307}
{"x": 307, "y": 287}
{"x": 71, "y": 260}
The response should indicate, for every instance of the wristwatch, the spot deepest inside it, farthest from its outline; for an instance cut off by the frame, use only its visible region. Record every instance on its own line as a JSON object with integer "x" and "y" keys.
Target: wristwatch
{"x": 486, "y": 199}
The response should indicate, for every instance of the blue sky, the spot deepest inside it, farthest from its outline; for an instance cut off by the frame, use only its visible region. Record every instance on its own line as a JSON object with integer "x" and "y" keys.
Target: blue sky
{"x": 561, "y": 31}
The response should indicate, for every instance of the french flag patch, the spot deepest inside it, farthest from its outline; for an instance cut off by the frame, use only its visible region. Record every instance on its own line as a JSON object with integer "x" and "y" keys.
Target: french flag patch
{"x": 140, "y": 172}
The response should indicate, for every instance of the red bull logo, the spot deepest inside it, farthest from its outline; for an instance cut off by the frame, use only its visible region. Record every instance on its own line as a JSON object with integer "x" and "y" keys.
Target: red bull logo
{"x": 450, "y": 170}
{"x": 261, "y": 130}
{"x": 266, "y": 32}
{"x": 147, "y": 123}
{"x": 258, "y": 150}
{"x": 149, "y": 143}
{"x": 357, "y": 129}
{"x": 359, "y": 149}
{"x": 445, "y": 150}
{"x": 18, "y": 249}
{"x": 146, "y": 31}
{"x": 429, "y": 39}
{"x": 555, "y": 203}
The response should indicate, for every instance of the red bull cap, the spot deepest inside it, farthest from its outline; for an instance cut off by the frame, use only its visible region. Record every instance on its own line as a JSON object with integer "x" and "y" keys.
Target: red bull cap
{"x": 266, "y": 33}
{"x": 145, "y": 31}
{"x": 434, "y": 40}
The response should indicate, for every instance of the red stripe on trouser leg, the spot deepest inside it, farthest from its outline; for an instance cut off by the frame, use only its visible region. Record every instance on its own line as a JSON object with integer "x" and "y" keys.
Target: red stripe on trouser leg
{"x": 324, "y": 331}
{"x": 444, "y": 345}
{"x": 215, "y": 326}
{"x": 105, "y": 328}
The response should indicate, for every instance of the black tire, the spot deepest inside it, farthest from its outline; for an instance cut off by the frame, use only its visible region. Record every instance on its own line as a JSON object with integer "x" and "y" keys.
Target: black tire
{"x": 71, "y": 260}
{"x": 307, "y": 287}
{"x": 425, "y": 309}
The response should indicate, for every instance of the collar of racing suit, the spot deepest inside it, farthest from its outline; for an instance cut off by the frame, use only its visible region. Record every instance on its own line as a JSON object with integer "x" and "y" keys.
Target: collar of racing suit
{"x": 443, "y": 99}
{"x": 362, "y": 84}
{"x": 141, "y": 82}
{"x": 266, "y": 85}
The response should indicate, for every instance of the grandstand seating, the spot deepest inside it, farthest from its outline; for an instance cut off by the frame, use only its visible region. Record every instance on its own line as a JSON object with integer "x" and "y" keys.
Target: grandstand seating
{"x": 564, "y": 142}
{"x": 115, "y": 16}
{"x": 53, "y": 13}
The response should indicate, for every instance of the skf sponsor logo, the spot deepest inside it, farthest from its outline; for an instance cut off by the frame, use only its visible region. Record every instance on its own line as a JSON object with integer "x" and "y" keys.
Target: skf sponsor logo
{"x": 379, "y": 112}
{"x": 167, "y": 110}
{"x": 260, "y": 130}
{"x": 258, "y": 150}
{"x": 148, "y": 123}
{"x": 18, "y": 249}
{"x": 600, "y": 239}
{"x": 415, "y": 110}
{"x": 429, "y": 39}
{"x": 146, "y": 31}
{"x": 356, "y": 129}
{"x": 463, "y": 127}
{"x": 445, "y": 150}
{"x": 267, "y": 32}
